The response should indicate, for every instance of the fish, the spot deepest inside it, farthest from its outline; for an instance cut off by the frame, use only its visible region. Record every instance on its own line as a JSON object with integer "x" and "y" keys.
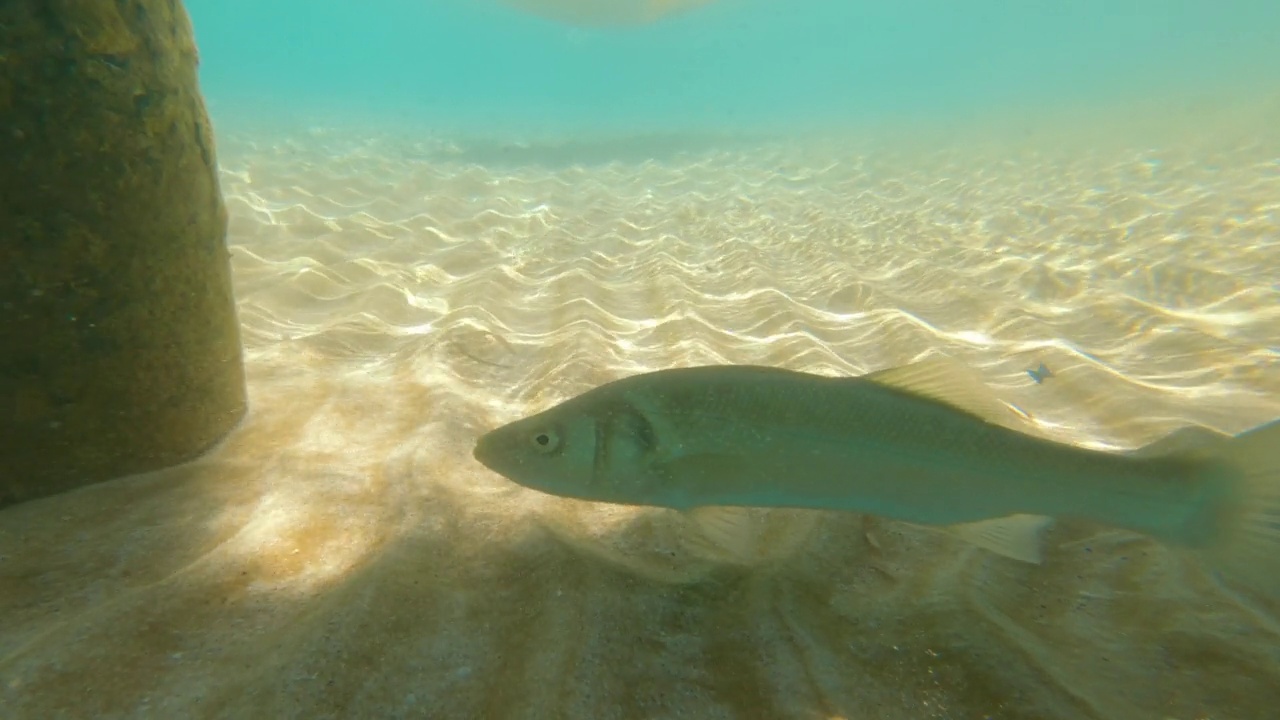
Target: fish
{"x": 595, "y": 13}
{"x": 927, "y": 443}
{"x": 1040, "y": 374}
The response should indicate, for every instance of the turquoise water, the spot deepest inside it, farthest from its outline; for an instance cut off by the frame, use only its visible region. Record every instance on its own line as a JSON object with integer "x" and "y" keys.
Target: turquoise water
{"x": 732, "y": 64}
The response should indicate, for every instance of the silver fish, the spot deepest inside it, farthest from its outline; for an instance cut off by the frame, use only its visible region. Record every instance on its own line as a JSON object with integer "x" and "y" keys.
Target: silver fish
{"x": 926, "y": 443}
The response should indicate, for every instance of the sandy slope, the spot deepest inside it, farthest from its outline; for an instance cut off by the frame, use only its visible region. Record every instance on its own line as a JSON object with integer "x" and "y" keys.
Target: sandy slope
{"x": 341, "y": 555}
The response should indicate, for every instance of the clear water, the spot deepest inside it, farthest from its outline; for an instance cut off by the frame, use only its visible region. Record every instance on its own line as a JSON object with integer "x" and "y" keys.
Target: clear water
{"x": 448, "y": 214}
{"x": 733, "y": 64}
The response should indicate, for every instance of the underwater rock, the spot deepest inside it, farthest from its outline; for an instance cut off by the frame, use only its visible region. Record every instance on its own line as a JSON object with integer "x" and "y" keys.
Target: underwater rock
{"x": 119, "y": 343}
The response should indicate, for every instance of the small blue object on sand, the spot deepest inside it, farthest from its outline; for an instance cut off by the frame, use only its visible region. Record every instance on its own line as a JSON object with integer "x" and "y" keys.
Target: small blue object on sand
{"x": 1040, "y": 373}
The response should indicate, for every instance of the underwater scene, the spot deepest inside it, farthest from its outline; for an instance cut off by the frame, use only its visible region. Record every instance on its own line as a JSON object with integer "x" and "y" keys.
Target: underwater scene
{"x": 641, "y": 360}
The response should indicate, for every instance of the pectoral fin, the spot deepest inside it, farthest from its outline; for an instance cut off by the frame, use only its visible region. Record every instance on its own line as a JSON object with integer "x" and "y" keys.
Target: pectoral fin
{"x": 1020, "y": 537}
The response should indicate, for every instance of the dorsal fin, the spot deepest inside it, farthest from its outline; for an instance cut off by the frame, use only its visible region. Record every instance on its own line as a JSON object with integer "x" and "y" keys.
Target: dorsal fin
{"x": 951, "y": 383}
{"x": 1194, "y": 440}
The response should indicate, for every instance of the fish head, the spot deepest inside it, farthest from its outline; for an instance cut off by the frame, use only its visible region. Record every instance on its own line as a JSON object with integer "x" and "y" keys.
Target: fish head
{"x": 548, "y": 451}
{"x": 589, "y": 448}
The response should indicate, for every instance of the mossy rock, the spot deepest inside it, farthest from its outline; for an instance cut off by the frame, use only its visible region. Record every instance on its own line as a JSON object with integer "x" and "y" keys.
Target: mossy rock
{"x": 119, "y": 343}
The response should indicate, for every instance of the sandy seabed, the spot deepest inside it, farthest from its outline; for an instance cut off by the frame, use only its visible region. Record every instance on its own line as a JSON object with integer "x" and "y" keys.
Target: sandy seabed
{"x": 341, "y": 555}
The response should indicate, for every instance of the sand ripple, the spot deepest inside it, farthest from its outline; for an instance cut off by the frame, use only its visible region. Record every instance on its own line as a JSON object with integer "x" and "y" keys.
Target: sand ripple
{"x": 341, "y": 555}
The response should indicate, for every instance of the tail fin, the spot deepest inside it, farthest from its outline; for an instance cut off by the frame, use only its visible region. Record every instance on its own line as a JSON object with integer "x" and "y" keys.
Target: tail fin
{"x": 1247, "y": 548}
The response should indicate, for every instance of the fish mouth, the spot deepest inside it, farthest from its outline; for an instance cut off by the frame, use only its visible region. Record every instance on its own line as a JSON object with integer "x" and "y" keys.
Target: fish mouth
{"x": 483, "y": 450}
{"x": 489, "y": 452}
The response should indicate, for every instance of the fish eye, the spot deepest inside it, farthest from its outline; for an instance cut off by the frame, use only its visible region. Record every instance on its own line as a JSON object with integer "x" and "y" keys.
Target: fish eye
{"x": 546, "y": 440}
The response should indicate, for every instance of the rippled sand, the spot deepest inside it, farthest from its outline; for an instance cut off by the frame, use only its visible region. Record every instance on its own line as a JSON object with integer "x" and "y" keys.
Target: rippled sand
{"x": 341, "y": 555}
